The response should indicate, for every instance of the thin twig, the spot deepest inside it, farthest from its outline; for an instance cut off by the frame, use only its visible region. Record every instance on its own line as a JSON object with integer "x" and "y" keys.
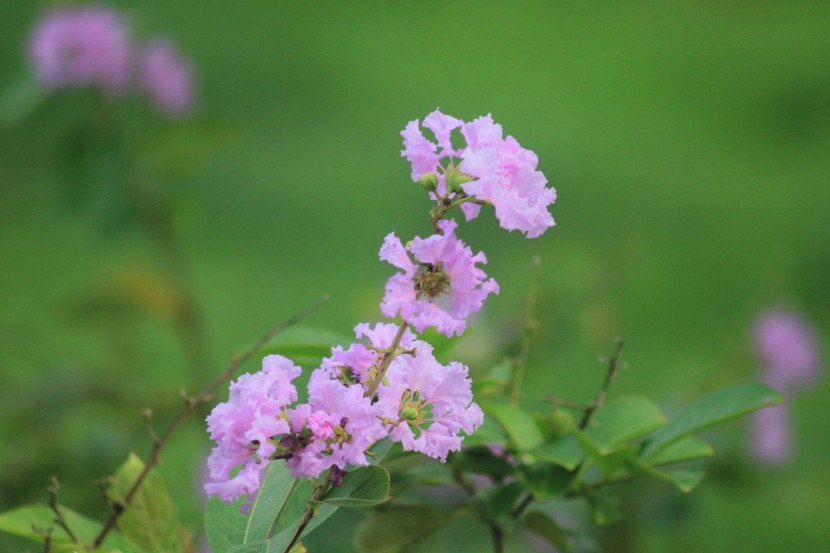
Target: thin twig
{"x": 46, "y": 535}
{"x": 531, "y": 324}
{"x": 308, "y": 514}
{"x": 559, "y": 402}
{"x": 53, "y": 504}
{"x": 613, "y": 368}
{"x": 190, "y": 404}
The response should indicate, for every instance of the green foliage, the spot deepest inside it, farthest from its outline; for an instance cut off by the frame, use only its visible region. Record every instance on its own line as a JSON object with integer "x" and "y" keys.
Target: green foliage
{"x": 362, "y": 487}
{"x": 151, "y": 520}
{"x": 397, "y": 528}
{"x": 24, "y": 521}
{"x": 715, "y": 408}
{"x": 522, "y": 431}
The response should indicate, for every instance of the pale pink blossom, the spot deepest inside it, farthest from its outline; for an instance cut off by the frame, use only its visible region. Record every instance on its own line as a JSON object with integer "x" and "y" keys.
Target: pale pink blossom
{"x": 444, "y": 272}
{"x": 344, "y": 410}
{"x": 82, "y": 46}
{"x": 167, "y": 78}
{"x": 244, "y": 427}
{"x": 506, "y": 176}
{"x": 428, "y": 405}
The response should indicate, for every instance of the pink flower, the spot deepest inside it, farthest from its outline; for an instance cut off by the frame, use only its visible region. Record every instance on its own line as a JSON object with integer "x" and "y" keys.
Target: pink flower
{"x": 503, "y": 173}
{"x": 772, "y": 436}
{"x": 427, "y": 405}
{"x": 445, "y": 271}
{"x": 81, "y": 46}
{"x": 244, "y": 427}
{"x": 788, "y": 349}
{"x": 357, "y": 364}
{"x": 342, "y": 423}
{"x": 506, "y": 176}
{"x": 167, "y": 78}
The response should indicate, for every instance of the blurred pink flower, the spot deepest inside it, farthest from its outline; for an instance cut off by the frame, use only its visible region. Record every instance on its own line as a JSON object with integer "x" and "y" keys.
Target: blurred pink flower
{"x": 167, "y": 78}
{"x": 82, "y": 46}
{"x": 788, "y": 349}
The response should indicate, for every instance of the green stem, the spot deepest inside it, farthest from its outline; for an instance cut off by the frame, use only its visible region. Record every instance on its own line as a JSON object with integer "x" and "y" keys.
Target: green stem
{"x": 517, "y": 368}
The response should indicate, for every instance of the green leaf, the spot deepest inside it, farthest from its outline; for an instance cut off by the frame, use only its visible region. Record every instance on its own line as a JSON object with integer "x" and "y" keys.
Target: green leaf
{"x": 685, "y": 449}
{"x": 712, "y": 409}
{"x": 606, "y": 508}
{"x": 519, "y": 425}
{"x": 303, "y": 344}
{"x": 545, "y": 480}
{"x": 564, "y": 452}
{"x": 546, "y": 528}
{"x": 622, "y": 420}
{"x": 362, "y": 487}
{"x": 398, "y": 528}
{"x": 151, "y": 519}
{"x": 497, "y": 501}
{"x": 268, "y": 506}
{"x": 684, "y": 479}
{"x": 224, "y": 525}
{"x": 20, "y": 521}
{"x": 481, "y": 460}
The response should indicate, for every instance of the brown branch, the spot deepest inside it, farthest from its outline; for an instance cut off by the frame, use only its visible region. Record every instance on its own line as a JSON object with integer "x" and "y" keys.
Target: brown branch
{"x": 613, "y": 368}
{"x": 386, "y": 361}
{"x": 308, "y": 514}
{"x": 190, "y": 404}
{"x": 53, "y": 504}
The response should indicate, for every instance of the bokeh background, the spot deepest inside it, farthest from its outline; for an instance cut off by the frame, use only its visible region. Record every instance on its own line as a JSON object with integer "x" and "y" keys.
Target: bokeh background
{"x": 689, "y": 143}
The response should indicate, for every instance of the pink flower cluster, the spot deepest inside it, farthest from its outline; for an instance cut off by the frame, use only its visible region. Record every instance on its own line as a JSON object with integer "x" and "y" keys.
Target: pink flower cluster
{"x": 498, "y": 171}
{"x": 91, "y": 46}
{"x": 788, "y": 350}
{"x": 390, "y": 384}
{"x": 422, "y": 404}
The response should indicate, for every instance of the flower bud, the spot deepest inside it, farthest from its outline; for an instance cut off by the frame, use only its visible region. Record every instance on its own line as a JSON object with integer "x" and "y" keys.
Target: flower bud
{"x": 429, "y": 181}
{"x": 409, "y": 414}
{"x": 455, "y": 178}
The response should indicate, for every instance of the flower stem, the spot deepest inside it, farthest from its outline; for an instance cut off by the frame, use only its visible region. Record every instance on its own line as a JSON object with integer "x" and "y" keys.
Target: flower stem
{"x": 387, "y": 360}
{"x": 517, "y": 368}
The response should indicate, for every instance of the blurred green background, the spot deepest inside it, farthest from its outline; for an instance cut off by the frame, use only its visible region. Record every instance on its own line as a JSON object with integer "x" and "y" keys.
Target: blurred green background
{"x": 689, "y": 143}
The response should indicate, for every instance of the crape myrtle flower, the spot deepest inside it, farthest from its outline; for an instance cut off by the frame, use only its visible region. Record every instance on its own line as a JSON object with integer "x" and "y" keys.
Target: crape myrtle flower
{"x": 772, "y": 442}
{"x": 506, "y": 176}
{"x": 426, "y": 404}
{"x": 444, "y": 266}
{"x": 492, "y": 169}
{"x": 243, "y": 427}
{"x": 787, "y": 348}
{"x": 82, "y": 46}
{"x": 334, "y": 429}
{"x": 788, "y": 351}
{"x": 166, "y": 78}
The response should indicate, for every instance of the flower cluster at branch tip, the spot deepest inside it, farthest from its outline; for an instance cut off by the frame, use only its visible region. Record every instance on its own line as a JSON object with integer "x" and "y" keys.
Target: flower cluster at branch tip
{"x": 492, "y": 170}
{"x": 91, "y": 46}
{"x": 787, "y": 348}
{"x": 389, "y": 384}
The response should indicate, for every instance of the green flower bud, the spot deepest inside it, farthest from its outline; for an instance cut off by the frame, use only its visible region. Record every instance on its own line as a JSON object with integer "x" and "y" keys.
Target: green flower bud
{"x": 409, "y": 414}
{"x": 454, "y": 179}
{"x": 429, "y": 181}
